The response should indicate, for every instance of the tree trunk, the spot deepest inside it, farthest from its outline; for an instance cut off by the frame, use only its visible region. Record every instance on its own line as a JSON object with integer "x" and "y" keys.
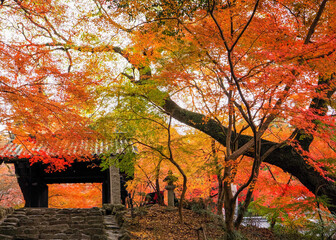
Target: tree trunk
{"x": 157, "y": 184}
{"x": 220, "y": 199}
{"x": 229, "y": 207}
{"x": 184, "y": 190}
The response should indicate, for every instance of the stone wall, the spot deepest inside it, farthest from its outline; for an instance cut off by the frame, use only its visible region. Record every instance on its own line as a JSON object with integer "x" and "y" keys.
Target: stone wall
{"x": 61, "y": 224}
{"x": 4, "y": 212}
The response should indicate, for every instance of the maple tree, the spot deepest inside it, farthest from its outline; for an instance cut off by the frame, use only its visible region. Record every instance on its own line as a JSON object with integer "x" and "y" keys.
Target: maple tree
{"x": 235, "y": 67}
{"x": 156, "y": 141}
{"x": 151, "y": 168}
{"x": 272, "y": 73}
{"x": 243, "y": 70}
{"x": 39, "y": 95}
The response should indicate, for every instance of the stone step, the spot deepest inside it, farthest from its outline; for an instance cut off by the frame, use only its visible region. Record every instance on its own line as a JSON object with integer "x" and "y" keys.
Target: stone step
{"x": 110, "y": 226}
{"x": 5, "y": 237}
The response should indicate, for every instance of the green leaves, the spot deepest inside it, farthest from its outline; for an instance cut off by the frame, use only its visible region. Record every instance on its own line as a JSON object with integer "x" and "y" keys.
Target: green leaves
{"x": 133, "y": 120}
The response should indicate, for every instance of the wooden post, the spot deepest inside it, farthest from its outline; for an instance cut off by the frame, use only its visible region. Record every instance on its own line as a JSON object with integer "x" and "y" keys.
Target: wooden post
{"x": 106, "y": 195}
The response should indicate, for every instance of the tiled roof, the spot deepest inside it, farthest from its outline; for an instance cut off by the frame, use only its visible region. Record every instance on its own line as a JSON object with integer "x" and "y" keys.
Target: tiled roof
{"x": 58, "y": 148}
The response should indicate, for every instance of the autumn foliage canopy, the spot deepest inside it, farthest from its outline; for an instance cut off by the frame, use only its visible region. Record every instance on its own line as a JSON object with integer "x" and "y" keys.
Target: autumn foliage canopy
{"x": 256, "y": 77}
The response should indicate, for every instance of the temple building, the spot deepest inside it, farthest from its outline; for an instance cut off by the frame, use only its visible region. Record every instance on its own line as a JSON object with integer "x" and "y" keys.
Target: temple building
{"x": 84, "y": 158}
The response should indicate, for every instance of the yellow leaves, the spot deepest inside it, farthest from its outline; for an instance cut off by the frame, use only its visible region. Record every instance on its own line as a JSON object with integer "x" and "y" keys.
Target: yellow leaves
{"x": 87, "y": 48}
{"x": 90, "y": 38}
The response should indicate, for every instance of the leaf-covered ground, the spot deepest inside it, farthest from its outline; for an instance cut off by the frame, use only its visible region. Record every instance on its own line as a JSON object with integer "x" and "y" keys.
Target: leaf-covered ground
{"x": 156, "y": 222}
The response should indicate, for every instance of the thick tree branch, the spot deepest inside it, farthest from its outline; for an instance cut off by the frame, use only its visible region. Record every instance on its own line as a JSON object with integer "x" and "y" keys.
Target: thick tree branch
{"x": 285, "y": 157}
{"x": 319, "y": 106}
{"x": 314, "y": 24}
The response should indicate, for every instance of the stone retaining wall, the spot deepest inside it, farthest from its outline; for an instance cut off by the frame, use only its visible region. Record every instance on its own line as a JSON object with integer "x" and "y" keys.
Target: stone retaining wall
{"x": 52, "y": 224}
{"x": 4, "y": 212}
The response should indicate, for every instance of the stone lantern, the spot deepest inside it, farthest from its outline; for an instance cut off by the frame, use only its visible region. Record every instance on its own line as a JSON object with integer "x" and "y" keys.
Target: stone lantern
{"x": 170, "y": 179}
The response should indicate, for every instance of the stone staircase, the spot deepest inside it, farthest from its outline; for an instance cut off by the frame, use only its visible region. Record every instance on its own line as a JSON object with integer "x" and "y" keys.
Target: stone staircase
{"x": 59, "y": 224}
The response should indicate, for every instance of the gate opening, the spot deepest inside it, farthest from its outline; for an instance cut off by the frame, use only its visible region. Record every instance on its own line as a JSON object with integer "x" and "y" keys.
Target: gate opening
{"x": 75, "y": 195}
